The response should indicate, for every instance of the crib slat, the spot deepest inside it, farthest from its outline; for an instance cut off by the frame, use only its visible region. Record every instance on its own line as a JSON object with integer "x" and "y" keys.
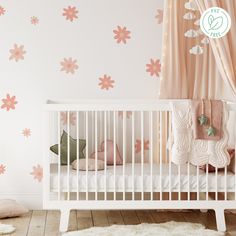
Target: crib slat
{"x": 59, "y": 154}
{"x": 108, "y": 124}
{"x": 77, "y": 154}
{"x": 188, "y": 181}
{"x": 161, "y": 153}
{"x": 68, "y": 155}
{"x": 151, "y": 149}
{"x": 124, "y": 151}
{"x": 179, "y": 177}
{"x": 198, "y": 183}
{"x": 207, "y": 172}
{"x": 86, "y": 134}
{"x": 133, "y": 154}
{"x": 225, "y": 183}
{"x": 142, "y": 152}
{"x": 170, "y": 167}
{"x": 114, "y": 158}
{"x": 96, "y": 155}
{"x": 105, "y": 153}
{"x": 216, "y": 180}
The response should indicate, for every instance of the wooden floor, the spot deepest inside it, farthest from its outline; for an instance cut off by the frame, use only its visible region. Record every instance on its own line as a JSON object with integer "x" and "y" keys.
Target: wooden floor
{"x": 46, "y": 223}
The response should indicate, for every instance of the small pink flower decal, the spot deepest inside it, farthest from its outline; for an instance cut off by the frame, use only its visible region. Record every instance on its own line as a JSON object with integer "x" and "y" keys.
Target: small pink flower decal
{"x": 128, "y": 114}
{"x": 159, "y": 16}
{"x": 2, "y": 169}
{"x": 34, "y": 20}
{"x": 70, "y": 13}
{"x": 26, "y": 132}
{"x": 154, "y": 68}
{"x": 138, "y": 145}
{"x": 121, "y": 34}
{"x": 17, "y": 53}
{"x": 2, "y": 11}
{"x": 9, "y": 102}
{"x": 106, "y": 82}
{"x": 37, "y": 173}
{"x": 64, "y": 119}
{"x": 69, "y": 65}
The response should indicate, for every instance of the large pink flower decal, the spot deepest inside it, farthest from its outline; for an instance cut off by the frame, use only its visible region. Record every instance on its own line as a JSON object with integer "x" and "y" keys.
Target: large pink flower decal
{"x": 138, "y": 145}
{"x": 37, "y": 173}
{"x": 64, "y": 117}
{"x": 9, "y": 102}
{"x": 34, "y": 20}
{"x": 154, "y": 67}
{"x": 121, "y": 34}
{"x": 26, "y": 132}
{"x": 17, "y": 53}
{"x": 70, "y": 13}
{"x": 106, "y": 82}
{"x": 2, "y": 169}
{"x": 2, "y": 11}
{"x": 159, "y": 16}
{"x": 69, "y": 65}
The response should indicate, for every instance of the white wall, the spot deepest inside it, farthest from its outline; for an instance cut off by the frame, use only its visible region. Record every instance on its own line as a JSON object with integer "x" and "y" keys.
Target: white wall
{"x": 89, "y": 40}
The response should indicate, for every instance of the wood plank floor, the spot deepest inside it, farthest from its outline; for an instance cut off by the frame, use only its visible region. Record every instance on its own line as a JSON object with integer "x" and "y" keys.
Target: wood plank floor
{"x": 46, "y": 223}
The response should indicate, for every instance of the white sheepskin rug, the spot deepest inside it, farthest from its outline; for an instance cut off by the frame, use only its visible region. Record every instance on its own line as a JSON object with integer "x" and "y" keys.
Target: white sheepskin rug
{"x": 6, "y": 229}
{"x": 164, "y": 229}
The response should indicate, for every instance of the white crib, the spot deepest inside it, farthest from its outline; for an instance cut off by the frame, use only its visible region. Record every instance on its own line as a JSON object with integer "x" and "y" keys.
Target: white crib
{"x": 146, "y": 180}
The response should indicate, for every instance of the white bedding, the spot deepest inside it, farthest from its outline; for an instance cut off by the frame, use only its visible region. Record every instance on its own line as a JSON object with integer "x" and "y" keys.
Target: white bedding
{"x": 230, "y": 179}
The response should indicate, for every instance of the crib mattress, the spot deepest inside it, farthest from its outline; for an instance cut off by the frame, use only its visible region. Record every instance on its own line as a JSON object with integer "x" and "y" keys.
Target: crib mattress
{"x": 221, "y": 183}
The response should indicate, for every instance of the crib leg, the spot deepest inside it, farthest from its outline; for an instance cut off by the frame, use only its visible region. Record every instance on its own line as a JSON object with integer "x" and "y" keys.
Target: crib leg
{"x": 220, "y": 219}
{"x": 64, "y": 221}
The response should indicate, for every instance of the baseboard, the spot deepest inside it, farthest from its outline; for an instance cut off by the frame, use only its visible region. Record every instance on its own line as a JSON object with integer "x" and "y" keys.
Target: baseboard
{"x": 32, "y": 201}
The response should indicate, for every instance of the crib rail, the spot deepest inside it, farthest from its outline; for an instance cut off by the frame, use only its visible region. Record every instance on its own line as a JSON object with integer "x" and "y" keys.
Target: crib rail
{"x": 139, "y": 131}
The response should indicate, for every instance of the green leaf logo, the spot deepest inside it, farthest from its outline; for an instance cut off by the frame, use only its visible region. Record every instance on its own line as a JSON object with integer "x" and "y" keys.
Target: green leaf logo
{"x": 215, "y": 23}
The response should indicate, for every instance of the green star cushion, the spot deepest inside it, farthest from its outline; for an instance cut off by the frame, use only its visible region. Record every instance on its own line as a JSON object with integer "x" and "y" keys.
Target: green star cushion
{"x": 73, "y": 148}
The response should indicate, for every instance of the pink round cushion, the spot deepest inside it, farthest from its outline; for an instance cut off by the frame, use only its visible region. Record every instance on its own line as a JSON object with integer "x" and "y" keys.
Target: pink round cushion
{"x": 110, "y": 153}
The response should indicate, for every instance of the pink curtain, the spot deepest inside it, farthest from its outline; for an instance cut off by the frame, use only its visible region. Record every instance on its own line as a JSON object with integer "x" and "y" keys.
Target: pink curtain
{"x": 194, "y": 66}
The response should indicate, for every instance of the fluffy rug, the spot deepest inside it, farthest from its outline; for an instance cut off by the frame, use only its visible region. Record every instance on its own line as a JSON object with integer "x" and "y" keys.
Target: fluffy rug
{"x": 165, "y": 229}
{"x": 6, "y": 229}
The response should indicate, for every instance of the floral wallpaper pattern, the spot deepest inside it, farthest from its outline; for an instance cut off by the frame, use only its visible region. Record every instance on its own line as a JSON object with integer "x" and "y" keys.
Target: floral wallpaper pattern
{"x": 82, "y": 49}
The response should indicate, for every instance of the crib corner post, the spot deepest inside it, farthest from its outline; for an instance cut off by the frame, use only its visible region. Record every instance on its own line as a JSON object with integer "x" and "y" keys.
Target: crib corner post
{"x": 220, "y": 219}
{"x": 64, "y": 220}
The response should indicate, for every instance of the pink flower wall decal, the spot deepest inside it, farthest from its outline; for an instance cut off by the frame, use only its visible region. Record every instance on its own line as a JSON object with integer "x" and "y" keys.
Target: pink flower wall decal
{"x": 2, "y": 11}
{"x": 138, "y": 145}
{"x": 72, "y": 118}
{"x": 17, "y": 53}
{"x": 26, "y": 132}
{"x": 69, "y": 65}
{"x": 34, "y": 20}
{"x": 128, "y": 114}
{"x": 2, "y": 169}
{"x": 70, "y": 13}
{"x": 154, "y": 68}
{"x": 121, "y": 34}
{"x": 37, "y": 173}
{"x": 106, "y": 82}
{"x": 9, "y": 102}
{"x": 159, "y": 16}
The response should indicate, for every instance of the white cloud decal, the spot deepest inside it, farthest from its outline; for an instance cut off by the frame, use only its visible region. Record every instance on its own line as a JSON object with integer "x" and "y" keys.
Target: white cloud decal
{"x": 191, "y": 33}
{"x": 205, "y": 40}
{"x": 191, "y": 5}
{"x": 196, "y": 50}
{"x": 189, "y": 16}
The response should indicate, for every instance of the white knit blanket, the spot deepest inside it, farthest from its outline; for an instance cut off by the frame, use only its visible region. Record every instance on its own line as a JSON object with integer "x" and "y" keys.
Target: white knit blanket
{"x": 198, "y": 152}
